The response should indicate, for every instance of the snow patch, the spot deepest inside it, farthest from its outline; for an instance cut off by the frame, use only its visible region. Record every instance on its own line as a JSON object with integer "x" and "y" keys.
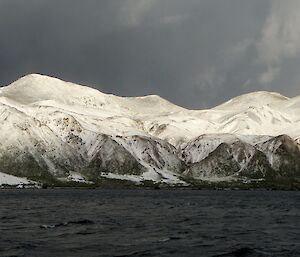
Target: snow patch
{"x": 76, "y": 177}
{"x": 6, "y": 179}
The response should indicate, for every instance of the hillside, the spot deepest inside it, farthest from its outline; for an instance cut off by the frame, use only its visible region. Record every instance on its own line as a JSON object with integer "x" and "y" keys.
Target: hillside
{"x": 56, "y": 132}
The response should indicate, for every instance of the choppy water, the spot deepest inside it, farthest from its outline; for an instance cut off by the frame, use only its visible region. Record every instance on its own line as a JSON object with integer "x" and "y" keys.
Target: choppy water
{"x": 149, "y": 223}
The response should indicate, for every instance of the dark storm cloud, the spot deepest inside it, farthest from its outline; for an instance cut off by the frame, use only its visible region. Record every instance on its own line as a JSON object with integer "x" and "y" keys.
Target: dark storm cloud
{"x": 196, "y": 53}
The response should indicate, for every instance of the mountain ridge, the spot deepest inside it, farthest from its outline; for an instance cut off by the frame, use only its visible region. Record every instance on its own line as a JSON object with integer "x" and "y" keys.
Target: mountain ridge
{"x": 60, "y": 132}
{"x": 40, "y": 79}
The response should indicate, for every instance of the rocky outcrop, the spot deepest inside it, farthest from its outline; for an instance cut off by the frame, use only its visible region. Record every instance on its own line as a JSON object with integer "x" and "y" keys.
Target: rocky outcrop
{"x": 273, "y": 158}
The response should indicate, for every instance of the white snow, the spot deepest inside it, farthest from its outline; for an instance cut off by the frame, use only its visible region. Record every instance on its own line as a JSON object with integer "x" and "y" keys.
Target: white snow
{"x": 10, "y": 180}
{"x": 258, "y": 113}
{"x": 133, "y": 178}
{"x": 76, "y": 177}
{"x": 38, "y": 109}
{"x": 149, "y": 175}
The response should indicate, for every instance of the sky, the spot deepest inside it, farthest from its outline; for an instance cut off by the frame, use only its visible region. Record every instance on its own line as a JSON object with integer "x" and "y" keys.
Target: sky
{"x": 194, "y": 53}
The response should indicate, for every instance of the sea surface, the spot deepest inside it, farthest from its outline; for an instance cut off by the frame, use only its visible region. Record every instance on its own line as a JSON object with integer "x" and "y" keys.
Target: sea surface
{"x": 75, "y": 222}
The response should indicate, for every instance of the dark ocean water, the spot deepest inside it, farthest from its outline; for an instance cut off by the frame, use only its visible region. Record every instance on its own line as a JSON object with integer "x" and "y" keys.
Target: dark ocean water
{"x": 149, "y": 223}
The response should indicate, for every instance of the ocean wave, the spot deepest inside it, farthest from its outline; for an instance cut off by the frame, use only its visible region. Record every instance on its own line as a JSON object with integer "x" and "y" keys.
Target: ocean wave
{"x": 68, "y": 223}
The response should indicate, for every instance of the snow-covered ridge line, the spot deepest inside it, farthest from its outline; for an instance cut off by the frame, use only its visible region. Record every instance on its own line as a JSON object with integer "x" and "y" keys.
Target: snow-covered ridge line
{"x": 257, "y": 113}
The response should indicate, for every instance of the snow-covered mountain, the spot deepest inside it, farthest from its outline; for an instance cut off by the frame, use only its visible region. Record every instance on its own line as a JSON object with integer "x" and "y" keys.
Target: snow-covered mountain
{"x": 53, "y": 130}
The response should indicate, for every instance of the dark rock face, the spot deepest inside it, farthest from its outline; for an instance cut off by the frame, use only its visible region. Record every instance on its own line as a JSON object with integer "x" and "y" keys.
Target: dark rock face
{"x": 274, "y": 159}
{"x": 25, "y": 165}
{"x": 284, "y": 156}
{"x": 157, "y": 153}
{"x": 133, "y": 155}
{"x": 110, "y": 156}
{"x": 238, "y": 159}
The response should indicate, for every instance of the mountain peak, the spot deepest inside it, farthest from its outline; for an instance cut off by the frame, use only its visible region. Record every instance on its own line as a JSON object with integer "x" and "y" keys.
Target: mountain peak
{"x": 36, "y": 80}
{"x": 34, "y": 88}
{"x": 258, "y": 98}
{"x": 43, "y": 90}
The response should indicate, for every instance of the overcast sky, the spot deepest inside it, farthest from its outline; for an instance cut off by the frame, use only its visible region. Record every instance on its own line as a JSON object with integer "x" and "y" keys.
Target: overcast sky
{"x": 195, "y": 53}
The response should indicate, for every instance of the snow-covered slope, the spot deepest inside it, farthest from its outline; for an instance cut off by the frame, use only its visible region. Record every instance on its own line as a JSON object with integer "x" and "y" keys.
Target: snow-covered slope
{"x": 9, "y": 180}
{"x": 51, "y": 129}
{"x": 36, "y": 89}
{"x": 255, "y": 99}
{"x": 251, "y": 114}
